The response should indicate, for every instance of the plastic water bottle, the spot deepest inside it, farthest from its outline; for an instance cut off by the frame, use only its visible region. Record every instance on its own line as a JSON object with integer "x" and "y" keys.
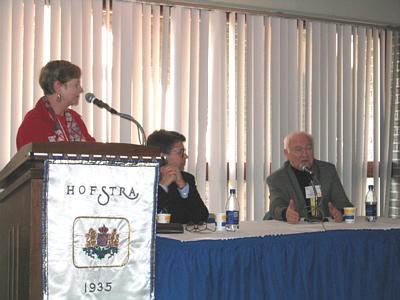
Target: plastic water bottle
{"x": 370, "y": 205}
{"x": 232, "y": 212}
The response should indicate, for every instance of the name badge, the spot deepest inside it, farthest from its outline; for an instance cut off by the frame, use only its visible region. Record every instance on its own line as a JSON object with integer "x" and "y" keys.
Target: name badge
{"x": 310, "y": 191}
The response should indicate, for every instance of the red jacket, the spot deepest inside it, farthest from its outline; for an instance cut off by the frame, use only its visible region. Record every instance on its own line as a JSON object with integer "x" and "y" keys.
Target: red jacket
{"x": 38, "y": 126}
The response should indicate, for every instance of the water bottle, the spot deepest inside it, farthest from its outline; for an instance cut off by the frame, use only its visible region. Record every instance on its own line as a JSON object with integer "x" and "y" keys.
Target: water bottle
{"x": 232, "y": 212}
{"x": 370, "y": 205}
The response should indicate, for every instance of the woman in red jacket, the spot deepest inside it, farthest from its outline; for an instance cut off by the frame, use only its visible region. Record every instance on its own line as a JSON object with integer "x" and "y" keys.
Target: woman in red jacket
{"x": 51, "y": 120}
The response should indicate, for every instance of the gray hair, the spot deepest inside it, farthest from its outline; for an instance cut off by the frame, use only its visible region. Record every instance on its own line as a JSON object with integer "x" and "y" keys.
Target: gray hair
{"x": 290, "y": 136}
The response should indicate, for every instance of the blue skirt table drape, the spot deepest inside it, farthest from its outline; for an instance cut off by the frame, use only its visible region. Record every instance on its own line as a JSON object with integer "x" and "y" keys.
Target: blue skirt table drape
{"x": 341, "y": 264}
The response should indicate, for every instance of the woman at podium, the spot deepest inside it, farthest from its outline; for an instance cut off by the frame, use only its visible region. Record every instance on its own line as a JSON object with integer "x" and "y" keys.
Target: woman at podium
{"x": 51, "y": 120}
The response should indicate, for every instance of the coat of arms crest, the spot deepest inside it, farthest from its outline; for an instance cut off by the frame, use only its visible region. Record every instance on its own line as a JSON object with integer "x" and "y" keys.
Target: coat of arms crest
{"x": 101, "y": 243}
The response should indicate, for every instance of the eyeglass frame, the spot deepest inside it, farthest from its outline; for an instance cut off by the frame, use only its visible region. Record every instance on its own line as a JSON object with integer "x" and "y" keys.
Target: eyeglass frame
{"x": 197, "y": 227}
{"x": 181, "y": 153}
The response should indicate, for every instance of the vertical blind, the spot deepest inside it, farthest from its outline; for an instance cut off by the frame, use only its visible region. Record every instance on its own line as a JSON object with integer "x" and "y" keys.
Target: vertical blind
{"x": 234, "y": 84}
{"x": 392, "y": 206}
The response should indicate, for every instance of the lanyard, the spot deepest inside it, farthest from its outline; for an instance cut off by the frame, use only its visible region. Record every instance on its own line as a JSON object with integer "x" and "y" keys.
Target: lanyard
{"x": 66, "y": 136}
{"x": 53, "y": 116}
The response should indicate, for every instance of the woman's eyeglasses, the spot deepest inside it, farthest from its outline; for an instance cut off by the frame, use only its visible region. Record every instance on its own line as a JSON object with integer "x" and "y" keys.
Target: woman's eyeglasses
{"x": 201, "y": 227}
{"x": 181, "y": 152}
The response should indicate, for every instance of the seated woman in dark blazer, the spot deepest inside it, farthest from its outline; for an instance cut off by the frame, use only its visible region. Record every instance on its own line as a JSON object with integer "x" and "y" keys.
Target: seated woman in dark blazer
{"x": 177, "y": 192}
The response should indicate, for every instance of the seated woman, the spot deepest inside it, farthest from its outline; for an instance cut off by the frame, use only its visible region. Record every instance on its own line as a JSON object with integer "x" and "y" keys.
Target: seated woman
{"x": 51, "y": 120}
{"x": 177, "y": 192}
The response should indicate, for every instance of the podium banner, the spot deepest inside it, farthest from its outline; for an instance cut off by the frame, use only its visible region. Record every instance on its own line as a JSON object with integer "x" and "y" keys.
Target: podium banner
{"x": 98, "y": 229}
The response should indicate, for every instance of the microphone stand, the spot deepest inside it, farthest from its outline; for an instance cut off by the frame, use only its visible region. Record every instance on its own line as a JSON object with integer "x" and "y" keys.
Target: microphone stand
{"x": 319, "y": 217}
{"x": 141, "y": 133}
{"x": 139, "y": 127}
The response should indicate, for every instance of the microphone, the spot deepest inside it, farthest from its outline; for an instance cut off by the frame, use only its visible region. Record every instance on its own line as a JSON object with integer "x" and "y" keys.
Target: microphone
{"x": 307, "y": 170}
{"x": 316, "y": 213}
{"x": 91, "y": 98}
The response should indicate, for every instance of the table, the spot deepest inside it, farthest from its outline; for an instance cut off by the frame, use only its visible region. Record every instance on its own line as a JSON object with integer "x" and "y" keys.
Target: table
{"x": 276, "y": 260}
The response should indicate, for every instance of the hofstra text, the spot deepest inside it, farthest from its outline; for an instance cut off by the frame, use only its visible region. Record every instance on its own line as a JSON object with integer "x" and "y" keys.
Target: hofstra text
{"x": 103, "y": 193}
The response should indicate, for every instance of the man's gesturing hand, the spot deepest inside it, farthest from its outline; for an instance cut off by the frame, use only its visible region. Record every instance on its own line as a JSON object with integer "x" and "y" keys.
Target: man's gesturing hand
{"x": 292, "y": 216}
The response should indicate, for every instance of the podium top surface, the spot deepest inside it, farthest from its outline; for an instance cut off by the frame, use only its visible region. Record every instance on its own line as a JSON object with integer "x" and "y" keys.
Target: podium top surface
{"x": 41, "y": 151}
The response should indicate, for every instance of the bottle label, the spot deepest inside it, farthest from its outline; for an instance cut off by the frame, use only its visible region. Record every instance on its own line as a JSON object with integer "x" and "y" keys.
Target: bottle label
{"x": 232, "y": 217}
{"x": 370, "y": 209}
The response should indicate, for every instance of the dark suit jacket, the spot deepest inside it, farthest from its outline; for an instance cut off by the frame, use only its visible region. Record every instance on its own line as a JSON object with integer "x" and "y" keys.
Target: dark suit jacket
{"x": 191, "y": 209}
{"x": 283, "y": 186}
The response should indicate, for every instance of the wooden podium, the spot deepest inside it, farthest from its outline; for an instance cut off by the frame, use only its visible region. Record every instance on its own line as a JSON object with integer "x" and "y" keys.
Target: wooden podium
{"x": 21, "y": 183}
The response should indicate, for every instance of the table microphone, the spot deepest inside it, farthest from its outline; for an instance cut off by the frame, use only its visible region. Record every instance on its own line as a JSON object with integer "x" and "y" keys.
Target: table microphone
{"x": 307, "y": 170}
{"x": 313, "y": 180}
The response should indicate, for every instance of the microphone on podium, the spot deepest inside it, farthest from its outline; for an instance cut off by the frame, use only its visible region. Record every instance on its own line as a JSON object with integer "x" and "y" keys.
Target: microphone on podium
{"x": 91, "y": 98}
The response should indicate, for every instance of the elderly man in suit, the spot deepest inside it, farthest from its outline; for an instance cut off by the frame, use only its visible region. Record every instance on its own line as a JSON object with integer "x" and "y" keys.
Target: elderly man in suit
{"x": 291, "y": 187}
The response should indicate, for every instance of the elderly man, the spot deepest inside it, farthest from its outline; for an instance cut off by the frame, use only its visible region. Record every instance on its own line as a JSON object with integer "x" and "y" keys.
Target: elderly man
{"x": 177, "y": 192}
{"x": 292, "y": 187}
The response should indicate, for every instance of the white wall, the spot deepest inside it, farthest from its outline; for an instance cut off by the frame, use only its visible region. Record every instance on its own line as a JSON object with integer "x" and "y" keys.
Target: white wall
{"x": 375, "y": 11}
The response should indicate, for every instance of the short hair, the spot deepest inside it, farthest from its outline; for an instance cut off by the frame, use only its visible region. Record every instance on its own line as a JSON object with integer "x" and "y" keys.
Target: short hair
{"x": 289, "y": 137}
{"x": 57, "y": 70}
{"x": 165, "y": 139}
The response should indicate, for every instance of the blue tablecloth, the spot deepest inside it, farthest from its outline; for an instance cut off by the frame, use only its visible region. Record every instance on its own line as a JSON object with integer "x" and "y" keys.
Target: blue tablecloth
{"x": 341, "y": 264}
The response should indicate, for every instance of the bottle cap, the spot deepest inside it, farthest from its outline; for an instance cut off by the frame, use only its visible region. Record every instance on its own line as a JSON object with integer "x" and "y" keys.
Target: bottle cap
{"x": 370, "y": 187}
{"x": 232, "y": 191}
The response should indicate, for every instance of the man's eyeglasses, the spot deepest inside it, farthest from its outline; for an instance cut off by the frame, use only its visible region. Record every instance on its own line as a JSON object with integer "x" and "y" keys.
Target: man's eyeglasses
{"x": 201, "y": 227}
{"x": 300, "y": 149}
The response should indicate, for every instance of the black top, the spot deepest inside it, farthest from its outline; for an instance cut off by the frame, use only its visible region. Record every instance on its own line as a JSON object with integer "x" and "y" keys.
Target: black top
{"x": 303, "y": 178}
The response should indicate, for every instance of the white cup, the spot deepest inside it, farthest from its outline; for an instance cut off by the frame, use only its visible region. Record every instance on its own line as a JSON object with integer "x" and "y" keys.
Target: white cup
{"x": 220, "y": 219}
{"x": 349, "y": 215}
{"x": 164, "y": 218}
